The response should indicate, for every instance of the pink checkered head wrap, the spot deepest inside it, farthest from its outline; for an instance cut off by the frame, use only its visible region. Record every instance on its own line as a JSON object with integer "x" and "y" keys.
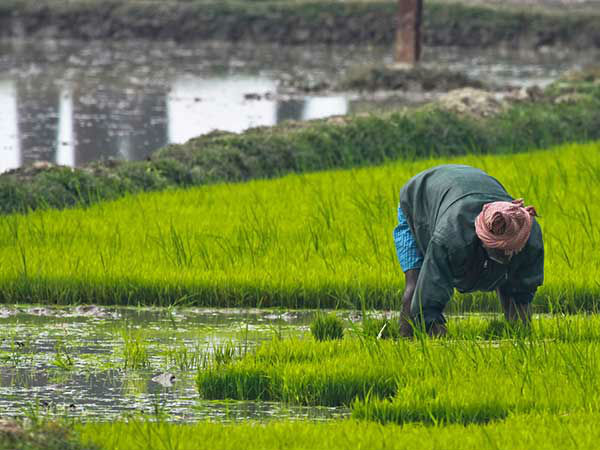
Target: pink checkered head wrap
{"x": 505, "y": 225}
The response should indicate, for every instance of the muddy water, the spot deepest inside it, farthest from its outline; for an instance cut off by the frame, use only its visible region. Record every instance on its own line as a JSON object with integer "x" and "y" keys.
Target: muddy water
{"x": 72, "y": 102}
{"x": 71, "y": 361}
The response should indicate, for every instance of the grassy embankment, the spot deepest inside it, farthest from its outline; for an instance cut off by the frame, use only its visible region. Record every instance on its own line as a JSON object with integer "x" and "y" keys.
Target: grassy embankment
{"x": 298, "y": 22}
{"x": 319, "y": 145}
{"x": 313, "y": 240}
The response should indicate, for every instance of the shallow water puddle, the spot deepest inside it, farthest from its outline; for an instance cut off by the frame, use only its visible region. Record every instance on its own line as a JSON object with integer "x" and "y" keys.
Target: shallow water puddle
{"x": 105, "y": 363}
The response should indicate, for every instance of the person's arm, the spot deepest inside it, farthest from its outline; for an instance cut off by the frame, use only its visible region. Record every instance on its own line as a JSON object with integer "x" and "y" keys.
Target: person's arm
{"x": 514, "y": 311}
{"x": 411, "y": 277}
{"x": 433, "y": 290}
{"x": 524, "y": 278}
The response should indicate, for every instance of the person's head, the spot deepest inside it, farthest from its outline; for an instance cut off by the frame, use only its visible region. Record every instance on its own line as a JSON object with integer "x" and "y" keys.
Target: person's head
{"x": 504, "y": 228}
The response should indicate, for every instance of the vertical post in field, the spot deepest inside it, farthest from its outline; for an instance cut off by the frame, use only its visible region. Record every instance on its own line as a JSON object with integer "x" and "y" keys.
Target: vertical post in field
{"x": 408, "y": 32}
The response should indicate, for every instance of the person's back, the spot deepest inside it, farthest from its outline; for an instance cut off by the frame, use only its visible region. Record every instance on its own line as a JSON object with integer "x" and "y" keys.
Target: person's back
{"x": 441, "y": 206}
{"x": 443, "y": 200}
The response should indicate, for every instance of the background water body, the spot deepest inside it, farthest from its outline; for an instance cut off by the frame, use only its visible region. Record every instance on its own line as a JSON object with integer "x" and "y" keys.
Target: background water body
{"x": 71, "y": 102}
{"x": 99, "y": 386}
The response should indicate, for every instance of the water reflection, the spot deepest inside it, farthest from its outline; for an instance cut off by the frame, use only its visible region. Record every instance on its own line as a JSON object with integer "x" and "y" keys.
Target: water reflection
{"x": 197, "y": 106}
{"x": 74, "y": 125}
{"x": 317, "y": 107}
{"x": 97, "y": 384}
{"x": 65, "y": 145}
{"x": 117, "y": 121}
{"x": 72, "y": 102}
{"x": 10, "y": 153}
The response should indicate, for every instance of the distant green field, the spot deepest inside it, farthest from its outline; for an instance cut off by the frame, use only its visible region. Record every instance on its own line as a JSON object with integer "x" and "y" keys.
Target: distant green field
{"x": 321, "y": 239}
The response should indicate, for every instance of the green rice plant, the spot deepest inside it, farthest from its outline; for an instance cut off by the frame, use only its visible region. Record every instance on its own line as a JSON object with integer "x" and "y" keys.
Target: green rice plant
{"x": 327, "y": 326}
{"x": 278, "y": 243}
{"x": 184, "y": 358}
{"x": 381, "y": 328}
{"x": 465, "y": 378}
{"x": 62, "y": 358}
{"x": 134, "y": 350}
{"x": 501, "y": 329}
{"x": 223, "y": 354}
{"x": 577, "y": 431}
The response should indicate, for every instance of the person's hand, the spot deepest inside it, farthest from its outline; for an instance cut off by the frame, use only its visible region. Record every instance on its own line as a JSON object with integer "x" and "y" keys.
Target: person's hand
{"x": 406, "y": 328}
{"x": 514, "y": 311}
{"x": 437, "y": 330}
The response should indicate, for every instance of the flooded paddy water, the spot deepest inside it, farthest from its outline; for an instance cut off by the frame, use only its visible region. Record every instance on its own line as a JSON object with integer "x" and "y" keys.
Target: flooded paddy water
{"x": 73, "y": 102}
{"x": 106, "y": 363}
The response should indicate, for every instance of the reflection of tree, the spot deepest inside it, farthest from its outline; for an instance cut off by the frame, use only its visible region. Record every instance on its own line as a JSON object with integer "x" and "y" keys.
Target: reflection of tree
{"x": 289, "y": 110}
{"x": 10, "y": 153}
{"x": 37, "y": 109}
{"x": 149, "y": 124}
{"x": 117, "y": 122}
{"x": 408, "y": 34}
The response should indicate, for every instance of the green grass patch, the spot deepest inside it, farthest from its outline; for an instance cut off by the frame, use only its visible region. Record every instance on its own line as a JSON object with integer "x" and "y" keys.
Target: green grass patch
{"x": 327, "y": 327}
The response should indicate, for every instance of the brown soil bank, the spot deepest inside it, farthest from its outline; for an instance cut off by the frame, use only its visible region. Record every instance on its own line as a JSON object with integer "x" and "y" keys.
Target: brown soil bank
{"x": 286, "y": 22}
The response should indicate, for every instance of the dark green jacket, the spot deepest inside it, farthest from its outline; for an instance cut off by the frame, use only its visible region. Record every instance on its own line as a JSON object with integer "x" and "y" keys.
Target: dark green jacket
{"x": 440, "y": 205}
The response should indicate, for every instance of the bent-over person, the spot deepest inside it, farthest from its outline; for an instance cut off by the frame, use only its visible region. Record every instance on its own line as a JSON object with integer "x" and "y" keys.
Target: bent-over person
{"x": 459, "y": 228}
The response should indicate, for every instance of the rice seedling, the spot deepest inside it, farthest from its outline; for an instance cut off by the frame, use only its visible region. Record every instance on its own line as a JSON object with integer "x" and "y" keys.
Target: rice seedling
{"x": 223, "y": 354}
{"x": 284, "y": 243}
{"x": 466, "y": 378}
{"x": 380, "y": 328}
{"x": 326, "y": 327}
{"x": 575, "y": 431}
{"x": 62, "y": 358}
{"x": 184, "y": 358}
{"x": 134, "y": 352}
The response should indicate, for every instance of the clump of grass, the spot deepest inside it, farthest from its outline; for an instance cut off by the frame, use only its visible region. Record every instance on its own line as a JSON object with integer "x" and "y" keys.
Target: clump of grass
{"x": 184, "y": 358}
{"x": 430, "y": 411}
{"x": 327, "y": 327}
{"x": 501, "y": 329}
{"x": 134, "y": 351}
{"x": 381, "y": 328}
{"x": 62, "y": 358}
{"x": 435, "y": 381}
{"x": 223, "y": 354}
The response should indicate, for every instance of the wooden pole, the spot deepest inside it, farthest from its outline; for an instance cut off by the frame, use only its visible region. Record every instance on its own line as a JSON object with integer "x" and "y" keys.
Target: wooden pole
{"x": 408, "y": 32}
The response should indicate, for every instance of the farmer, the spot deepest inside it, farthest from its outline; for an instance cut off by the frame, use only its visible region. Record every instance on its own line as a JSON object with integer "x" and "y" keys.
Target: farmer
{"x": 459, "y": 228}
